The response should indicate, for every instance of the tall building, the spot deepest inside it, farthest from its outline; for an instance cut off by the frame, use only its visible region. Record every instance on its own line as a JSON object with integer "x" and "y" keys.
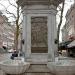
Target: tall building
{"x": 64, "y": 34}
{"x": 1, "y": 28}
{"x": 68, "y": 31}
{"x": 6, "y": 32}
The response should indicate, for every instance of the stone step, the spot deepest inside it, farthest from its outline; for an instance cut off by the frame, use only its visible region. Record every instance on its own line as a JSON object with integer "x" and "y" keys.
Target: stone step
{"x": 38, "y": 68}
{"x": 38, "y": 58}
{"x": 37, "y": 61}
{"x": 38, "y": 74}
{"x": 34, "y": 74}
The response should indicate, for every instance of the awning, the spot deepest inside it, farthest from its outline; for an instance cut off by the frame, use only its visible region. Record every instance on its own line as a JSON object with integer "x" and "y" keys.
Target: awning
{"x": 63, "y": 45}
{"x": 72, "y": 44}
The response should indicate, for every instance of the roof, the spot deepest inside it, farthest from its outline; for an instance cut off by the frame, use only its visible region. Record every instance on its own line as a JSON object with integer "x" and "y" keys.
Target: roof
{"x": 63, "y": 45}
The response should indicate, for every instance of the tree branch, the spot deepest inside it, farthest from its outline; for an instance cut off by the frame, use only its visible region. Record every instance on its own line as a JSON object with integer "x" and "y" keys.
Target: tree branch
{"x": 12, "y": 4}
{"x": 8, "y": 12}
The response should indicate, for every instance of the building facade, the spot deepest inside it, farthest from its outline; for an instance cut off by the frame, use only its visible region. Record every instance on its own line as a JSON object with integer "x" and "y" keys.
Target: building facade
{"x": 6, "y": 32}
{"x": 68, "y": 31}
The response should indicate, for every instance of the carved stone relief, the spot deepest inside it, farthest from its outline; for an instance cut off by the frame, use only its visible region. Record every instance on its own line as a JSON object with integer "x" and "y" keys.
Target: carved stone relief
{"x": 39, "y": 32}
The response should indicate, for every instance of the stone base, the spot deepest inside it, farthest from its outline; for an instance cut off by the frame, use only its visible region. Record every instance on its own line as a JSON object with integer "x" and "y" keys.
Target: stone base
{"x": 37, "y": 69}
{"x": 38, "y": 58}
{"x": 1, "y": 72}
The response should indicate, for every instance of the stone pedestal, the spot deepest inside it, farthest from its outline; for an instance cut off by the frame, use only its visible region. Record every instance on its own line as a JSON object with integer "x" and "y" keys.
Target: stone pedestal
{"x": 52, "y": 32}
{"x": 40, "y": 8}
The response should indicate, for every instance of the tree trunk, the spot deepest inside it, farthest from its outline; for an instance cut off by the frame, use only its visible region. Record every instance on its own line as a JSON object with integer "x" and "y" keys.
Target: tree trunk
{"x": 17, "y": 34}
{"x": 59, "y": 25}
{"x": 17, "y": 27}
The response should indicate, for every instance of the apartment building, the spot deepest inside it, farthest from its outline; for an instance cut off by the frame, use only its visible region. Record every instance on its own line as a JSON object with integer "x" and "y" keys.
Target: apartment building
{"x": 6, "y": 32}
{"x": 68, "y": 31}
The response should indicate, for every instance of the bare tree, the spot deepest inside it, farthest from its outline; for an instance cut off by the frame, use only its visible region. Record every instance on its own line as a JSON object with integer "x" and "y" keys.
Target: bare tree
{"x": 17, "y": 18}
{"x": 60, "y": 23}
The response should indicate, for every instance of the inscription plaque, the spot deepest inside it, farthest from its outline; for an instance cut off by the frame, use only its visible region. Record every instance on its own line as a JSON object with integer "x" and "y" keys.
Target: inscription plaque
{"x": 39, "y": 35}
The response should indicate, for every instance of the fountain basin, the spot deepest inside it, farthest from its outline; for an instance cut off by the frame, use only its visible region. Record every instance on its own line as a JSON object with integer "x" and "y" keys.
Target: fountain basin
{"x": 14, "y": 66}
{"x": 62, "y": 67}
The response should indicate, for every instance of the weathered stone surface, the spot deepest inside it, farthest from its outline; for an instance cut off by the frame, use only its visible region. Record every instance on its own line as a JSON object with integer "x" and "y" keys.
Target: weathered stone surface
{"x": 38, "y": 70}
{"x": 39, "y": 2}
{"x": 36, "y": 9}
{"x": 38, "y": 74}
{"x": 39, "y": 31}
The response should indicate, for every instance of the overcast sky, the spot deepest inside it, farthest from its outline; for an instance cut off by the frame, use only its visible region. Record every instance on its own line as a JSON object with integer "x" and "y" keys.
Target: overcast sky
{"x": 12, "y": 9}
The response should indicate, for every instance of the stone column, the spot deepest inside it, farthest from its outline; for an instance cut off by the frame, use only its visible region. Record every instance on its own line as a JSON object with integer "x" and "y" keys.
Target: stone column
{"x": 24, "y": 37}
{"x": 52, "y": 33}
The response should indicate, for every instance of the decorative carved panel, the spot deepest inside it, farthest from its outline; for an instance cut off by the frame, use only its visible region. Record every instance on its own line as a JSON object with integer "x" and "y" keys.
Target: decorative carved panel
{"x": 39, "y": 2}
{"x": 39, "y": 34}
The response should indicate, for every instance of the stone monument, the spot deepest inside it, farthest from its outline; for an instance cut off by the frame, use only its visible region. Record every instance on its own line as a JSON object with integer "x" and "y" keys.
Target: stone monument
{"x": 39, "y": 29}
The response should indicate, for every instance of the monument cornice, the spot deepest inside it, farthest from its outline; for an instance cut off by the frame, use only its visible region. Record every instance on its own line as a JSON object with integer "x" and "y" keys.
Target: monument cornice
{"x": 39, "y": 2}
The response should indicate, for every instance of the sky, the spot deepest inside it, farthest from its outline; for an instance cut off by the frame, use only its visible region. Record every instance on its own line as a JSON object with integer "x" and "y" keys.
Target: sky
{"x": 10, "y": 8}
{"x": 68, "y": 3}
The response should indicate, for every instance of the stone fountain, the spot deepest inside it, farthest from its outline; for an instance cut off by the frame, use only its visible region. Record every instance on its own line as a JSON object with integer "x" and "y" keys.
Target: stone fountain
{"x": 39, "y": 29}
